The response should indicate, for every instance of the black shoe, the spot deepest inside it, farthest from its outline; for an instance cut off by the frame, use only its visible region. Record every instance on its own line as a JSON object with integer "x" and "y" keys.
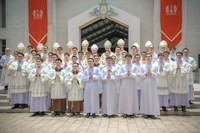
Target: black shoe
{"x": 175, "y": 108}
{"x": 109, "y": 116}
{"x": 72, "y": 114}
{"x": 190, "y": 102}
{"x": 183, "y": 108}
{"x": 146, "y": 116}
{"x": 35, "y": 114}
{"x": 164, "y": 109}
{"x": 104, "y": 115}
{"x": 125, "y": 116}
{"x": 15, "y": 106}
{"x": 5, "y": 88}
{"x": 88, "y": 115}
{"x": 132, "y": 116}
{"x": 42, "y": 113}
{"x": 22, "y": 106}
{"x": 54, "y": 114}
{"x": 93, "y": 115}
{"x": 153, "y": 117}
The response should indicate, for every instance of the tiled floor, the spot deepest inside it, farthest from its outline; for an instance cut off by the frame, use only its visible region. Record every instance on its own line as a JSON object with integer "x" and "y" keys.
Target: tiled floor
{"x": 23, "y": 123}
{"x": 171, "y": 122}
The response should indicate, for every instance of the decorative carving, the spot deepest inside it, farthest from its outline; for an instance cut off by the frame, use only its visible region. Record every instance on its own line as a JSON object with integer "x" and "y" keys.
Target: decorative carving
{"x": 103, "y": 10}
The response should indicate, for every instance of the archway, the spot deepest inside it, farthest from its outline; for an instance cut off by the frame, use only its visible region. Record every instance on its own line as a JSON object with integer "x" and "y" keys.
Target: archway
{"x": 132, "y": 22}
{"x": 104, "y": 29}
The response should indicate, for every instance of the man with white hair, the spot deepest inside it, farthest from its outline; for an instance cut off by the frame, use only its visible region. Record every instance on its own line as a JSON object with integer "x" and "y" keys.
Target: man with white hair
{"x": 121, "y": 44}
{"x": 163, "y": 46}
{"x": 5, "y": 62}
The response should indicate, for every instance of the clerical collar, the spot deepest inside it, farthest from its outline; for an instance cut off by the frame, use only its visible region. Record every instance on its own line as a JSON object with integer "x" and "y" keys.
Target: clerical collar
{"x": 179, "y": 62}
{"x": 75, "y": 72}
{"x": 160, "y": 62}
{"x": 58, "y": 70}
{"x": 96, "y": 64}
{"x": 186, "y": 58}
{"x": 40, "y": 68}
{"x": 20, "y": 62}
{"x": 137, "y": 63}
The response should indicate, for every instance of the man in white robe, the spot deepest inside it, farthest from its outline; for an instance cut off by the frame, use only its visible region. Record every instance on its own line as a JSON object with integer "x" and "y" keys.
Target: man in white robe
{"x": 179, "y": 91}
{"x": 58, "y": 89}
{"x": 109, "y": 95}
{"x": 5, "y": 62}
{"x": 38, "y": 76}
{"x": 19, "y": 86}
{"x": 91, "y": 93}
{"x": 193, "y": 65}
{"x": 28, "y": 54}
{"x": 128, "y": 97}
{"x": 172, "y": 55}
{"x": 162, "y": 82}
{"x": 149, "y": 92}
{"x": 74, "y": 82}
{"x": 139, "y": 83}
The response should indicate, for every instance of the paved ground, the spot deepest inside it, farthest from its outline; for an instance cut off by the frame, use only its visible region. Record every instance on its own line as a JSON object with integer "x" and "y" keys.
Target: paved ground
{"x": 170, "y": 122}
{"x": 22, "y": 123}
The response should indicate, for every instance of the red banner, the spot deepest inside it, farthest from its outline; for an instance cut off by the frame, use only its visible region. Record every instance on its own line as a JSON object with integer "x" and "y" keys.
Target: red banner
{"x": 171, "y": 21}
{"x": 37, "y": 22}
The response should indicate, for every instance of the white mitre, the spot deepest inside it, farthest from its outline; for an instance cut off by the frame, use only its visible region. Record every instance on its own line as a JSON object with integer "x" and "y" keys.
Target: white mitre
{"x": 136, "y": 45}
{"x": 120, "y": 42}
{"x": 85, "y": 43}
{"x": 70, "y": 44}
{"x": 107, "y": 44}
{"x": 40, "y": 46}
{"x": 94, "y": 47}
{"x": 20, "y": 46}
{"x": 163, "y": 43}
{"x": 148, "y": 44}
{"x": 56, "y": 45}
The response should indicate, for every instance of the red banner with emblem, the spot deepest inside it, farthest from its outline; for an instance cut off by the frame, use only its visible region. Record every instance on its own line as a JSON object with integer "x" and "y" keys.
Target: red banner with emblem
{"x": 171, "y": 21}
{"x": 37, "y": 22}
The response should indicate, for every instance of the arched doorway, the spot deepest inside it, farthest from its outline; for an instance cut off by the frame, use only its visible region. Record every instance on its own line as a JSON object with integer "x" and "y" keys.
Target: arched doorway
{"x": 104, "y": 29}
{"x": 85, "y": 19}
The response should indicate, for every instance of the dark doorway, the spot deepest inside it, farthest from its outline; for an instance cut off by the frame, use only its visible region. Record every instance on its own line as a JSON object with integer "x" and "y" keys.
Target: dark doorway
{"x": 102, "y": 30}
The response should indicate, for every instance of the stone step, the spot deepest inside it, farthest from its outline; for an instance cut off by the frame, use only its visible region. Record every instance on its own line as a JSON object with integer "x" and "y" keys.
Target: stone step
{"x": 197, "y": 93}
{"x": 196, "y": 97}
{"x": 3, "y": 96}
{"x": 5, "y": 102}
{"x": 3, "y": 92}
{"x": 7, "y": 109}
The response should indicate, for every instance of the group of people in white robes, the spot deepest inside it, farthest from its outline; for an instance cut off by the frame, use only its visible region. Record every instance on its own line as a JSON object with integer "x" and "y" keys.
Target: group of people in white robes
{"x": 113, "y": 83}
